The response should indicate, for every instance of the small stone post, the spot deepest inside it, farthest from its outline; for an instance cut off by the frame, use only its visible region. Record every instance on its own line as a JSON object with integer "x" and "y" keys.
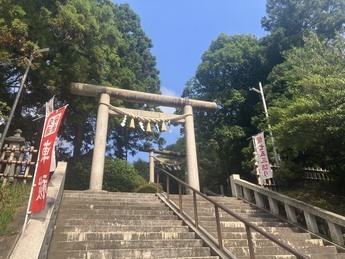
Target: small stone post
{"x": 234, "y": 177}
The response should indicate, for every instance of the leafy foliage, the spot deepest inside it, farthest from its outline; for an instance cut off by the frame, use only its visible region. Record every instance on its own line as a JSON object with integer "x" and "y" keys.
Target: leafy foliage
{"x": 293, "y": 17}
{"x": 149, "y": 188}
{"x": 229, "y": 68}
{"x": 119, "y": 176}
{"x": 309, "y": 117}
{"x": 301, "y": 63}
{"x": 288, "y": 21}
{"x": 90, "y": 41}
{"x": 143, "y": 168}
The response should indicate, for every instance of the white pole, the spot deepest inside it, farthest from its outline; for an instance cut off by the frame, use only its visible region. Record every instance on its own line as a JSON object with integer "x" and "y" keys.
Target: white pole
{"x": 275, "y": 152}
{"x": 28, "y": 212}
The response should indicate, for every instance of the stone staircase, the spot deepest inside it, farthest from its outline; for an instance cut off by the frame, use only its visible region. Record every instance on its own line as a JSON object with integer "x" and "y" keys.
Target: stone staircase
{"x": 131, "y": 225}
{"x": 121, "y": 225}
{"x": 234, "y": 234}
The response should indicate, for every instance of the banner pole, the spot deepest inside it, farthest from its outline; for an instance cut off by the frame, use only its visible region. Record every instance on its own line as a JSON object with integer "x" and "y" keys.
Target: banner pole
{"x": 28, "y": 212}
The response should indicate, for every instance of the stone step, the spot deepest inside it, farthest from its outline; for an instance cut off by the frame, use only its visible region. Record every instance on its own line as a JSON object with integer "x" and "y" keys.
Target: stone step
{"x": 148, "y": 198}
{"x": 128, "y": 202}
{"x": 313, "y": 256}
{"x": 111, "y": 199}
{"x": 232, "y": 219}
{"x": 275, "y": 250}
{"x": 242, "y": 213}
{"x": 195, "y": 257}
{"x": 122, "y": 222}
{"x": 120, "y": 244}
{"x": 269, "y": 257}
{"x": 271, "y": 230}
{"x": 206, "y": 204}
{"x": 327, "y": 256}
{"x": 228, "y": 201}
{"x": 267, "y": 242}
{"x": 116, "y": 212}
{"x": 240, "y": 224}
{"x": 116, "y": 217}
{"x": 316, "y": 243}
{"x": 109, "y": 206}
{"x": 104, "y": 194}
{"x": 134, "y": 253}
{"x": 243, "y": 235}
{"x": 95, "y": 228}
{"x": 91, "y": 236}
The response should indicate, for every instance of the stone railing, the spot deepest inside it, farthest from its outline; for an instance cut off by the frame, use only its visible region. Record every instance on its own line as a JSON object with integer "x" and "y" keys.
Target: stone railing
{"x": 314, "y": 219}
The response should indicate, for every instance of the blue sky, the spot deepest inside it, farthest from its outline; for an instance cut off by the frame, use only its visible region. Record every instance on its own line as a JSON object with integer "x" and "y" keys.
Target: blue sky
{"x": 182, "y": 30}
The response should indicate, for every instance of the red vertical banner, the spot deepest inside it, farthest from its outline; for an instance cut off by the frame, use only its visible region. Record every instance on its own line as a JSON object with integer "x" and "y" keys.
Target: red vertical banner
{"x": 40, "y": 185}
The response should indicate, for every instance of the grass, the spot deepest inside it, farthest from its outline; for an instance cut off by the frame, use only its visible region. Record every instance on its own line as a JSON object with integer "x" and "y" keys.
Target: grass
{"x": 13, "y": 197}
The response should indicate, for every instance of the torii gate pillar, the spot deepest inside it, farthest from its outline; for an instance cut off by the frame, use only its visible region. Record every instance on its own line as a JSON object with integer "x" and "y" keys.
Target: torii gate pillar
{"x": 191, "y": 157}
{"x": 97, "y": 168}
{"x": 152, "y": 166}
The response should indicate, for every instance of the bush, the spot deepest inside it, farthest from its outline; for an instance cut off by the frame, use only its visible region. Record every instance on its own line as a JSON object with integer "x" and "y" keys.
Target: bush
{"x": 119, "y": 176}
{"x": 149, "y": 188}
{"x": 289, "y": 175}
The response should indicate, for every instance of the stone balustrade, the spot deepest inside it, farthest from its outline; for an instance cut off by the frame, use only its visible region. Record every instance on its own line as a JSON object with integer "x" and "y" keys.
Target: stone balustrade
{"x": 316, "y": 220}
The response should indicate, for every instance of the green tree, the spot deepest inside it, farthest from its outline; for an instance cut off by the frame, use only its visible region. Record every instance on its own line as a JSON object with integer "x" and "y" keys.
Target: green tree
{"x": 229, "y": 68}
{"x": 288, "y": 21}
{"x": 308, "y": 118}
{"x": 143, "y": 168}
{"x": 293, "y": 17}
{"x": 90, "y": 41}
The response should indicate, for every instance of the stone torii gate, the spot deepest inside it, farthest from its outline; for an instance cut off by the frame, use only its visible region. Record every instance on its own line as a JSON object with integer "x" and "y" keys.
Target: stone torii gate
{"x": 152, "y": 153}
{"x": 104, "y": 109}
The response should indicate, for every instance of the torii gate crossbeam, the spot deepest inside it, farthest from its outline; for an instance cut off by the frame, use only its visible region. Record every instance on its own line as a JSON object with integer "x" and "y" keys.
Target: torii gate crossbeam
{"x": 97, "y": 169}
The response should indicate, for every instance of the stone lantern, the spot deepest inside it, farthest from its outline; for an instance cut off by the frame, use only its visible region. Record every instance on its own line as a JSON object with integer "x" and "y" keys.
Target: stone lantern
{"x": 16, "y": 140}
